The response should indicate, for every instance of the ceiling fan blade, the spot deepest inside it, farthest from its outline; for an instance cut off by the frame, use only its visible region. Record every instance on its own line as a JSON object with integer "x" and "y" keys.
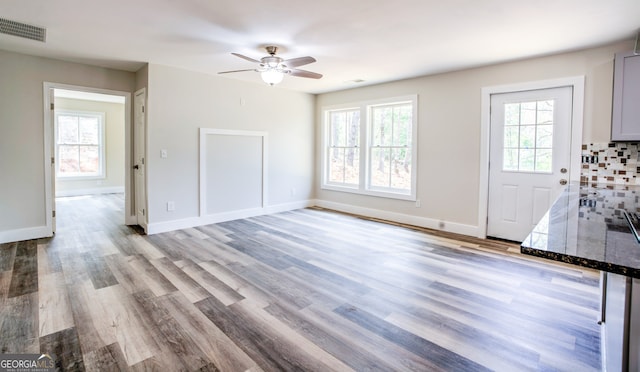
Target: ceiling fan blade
{"x": 229, "y": 72}
{"x": 306, "y": 74}
{"x": 296, "y": 62}
{"x": 245, "y": 57}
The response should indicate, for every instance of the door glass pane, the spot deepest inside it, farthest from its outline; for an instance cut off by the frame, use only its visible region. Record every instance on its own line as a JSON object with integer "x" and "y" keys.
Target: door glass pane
{"x": 545, "y": 112}
{"x": 544, "y": 136}
{"x": 510, "y": 162}
{"x": 543, "y": 161}
{"x": 511, "y": 137}
{"x": 512, "y": 114}
{"x": 527, "y": 160}
{"x": 528, "y": 136}
{"x": 528, "y": 113}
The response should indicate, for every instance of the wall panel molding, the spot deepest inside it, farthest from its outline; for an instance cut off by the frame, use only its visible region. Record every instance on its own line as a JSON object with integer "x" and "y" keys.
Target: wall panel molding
{"x": 240, "y": 184}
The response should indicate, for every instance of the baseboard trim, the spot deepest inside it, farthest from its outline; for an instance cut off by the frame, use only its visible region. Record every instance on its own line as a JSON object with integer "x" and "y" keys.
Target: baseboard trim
{"x": 90, "y": 191}
{"x": 29, "y": 233}
{"x": 458, "y": 228}
{"x": 429, "y": 223}
{"x": 185, "y": 223}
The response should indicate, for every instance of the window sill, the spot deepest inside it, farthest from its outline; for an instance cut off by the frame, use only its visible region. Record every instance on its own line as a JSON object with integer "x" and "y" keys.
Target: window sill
{"x": 376, "y": 193}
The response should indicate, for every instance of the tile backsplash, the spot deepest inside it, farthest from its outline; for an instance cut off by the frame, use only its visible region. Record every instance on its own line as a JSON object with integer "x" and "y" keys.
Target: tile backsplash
{"x": 614, "y": 163}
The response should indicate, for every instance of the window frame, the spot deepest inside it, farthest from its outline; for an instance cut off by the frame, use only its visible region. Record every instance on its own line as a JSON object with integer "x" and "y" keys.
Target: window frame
{"x": 365, "y": 147}
{"x": 102, "y": 161}
{"x": 332, "y": 185}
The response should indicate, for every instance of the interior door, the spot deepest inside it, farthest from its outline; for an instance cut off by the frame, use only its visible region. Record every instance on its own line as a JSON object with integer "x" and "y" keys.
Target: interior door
{"x": 529, "y": 158}
{"x": 139, "y": 150}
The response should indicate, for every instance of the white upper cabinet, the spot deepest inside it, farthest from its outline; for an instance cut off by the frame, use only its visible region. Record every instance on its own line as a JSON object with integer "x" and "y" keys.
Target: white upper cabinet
{"x": 625, "y": 120}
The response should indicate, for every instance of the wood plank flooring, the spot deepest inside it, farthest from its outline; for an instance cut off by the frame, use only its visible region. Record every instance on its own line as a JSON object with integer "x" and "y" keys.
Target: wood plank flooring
{"x": 306, "y": 290}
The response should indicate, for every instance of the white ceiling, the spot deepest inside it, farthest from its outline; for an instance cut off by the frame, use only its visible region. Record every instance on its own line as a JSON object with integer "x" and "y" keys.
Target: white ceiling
{"x": 371, "y": 40}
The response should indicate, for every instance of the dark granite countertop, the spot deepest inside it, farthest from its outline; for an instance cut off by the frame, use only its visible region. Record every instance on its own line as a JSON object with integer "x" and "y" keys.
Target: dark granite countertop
{"x": 586, "y": 227}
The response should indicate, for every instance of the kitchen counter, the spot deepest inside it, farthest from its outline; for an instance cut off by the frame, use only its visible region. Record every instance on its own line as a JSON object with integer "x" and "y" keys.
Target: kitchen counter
{"x": 586, "y": 227}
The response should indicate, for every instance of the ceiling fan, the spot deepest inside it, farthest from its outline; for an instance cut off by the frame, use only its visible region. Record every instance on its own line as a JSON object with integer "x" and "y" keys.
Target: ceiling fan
{"x": 273, "y": 68}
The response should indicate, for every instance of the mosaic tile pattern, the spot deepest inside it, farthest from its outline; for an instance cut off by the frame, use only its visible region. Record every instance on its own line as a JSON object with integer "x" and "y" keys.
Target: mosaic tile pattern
{"x": 606, "y": 204}
{"x": 611, "y": 163}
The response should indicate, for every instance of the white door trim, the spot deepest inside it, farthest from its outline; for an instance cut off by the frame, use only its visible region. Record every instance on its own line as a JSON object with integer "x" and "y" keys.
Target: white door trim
{"x": 577, "y": 83}
{"x": 135, "y": 190}
{"x": 129, "y": 218}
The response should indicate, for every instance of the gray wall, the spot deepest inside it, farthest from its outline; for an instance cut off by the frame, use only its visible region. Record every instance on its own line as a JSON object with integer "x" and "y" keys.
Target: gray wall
{"x": 22, "y": 193}
{"x": 449, "y": 117}
{"x": 180, "y": 102}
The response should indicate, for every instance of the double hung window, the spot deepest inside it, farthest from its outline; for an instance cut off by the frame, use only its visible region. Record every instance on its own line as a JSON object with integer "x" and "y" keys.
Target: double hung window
{"x": 370, "y": 148}
{"x": 79, "y": 144}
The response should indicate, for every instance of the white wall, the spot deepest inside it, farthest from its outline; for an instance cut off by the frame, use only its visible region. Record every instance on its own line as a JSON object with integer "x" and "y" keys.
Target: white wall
{"x": 449, "y": 132}
{"x": 22, "y": 193}
{"x": 114, "y": 149}
{"x": 180, "y": 102}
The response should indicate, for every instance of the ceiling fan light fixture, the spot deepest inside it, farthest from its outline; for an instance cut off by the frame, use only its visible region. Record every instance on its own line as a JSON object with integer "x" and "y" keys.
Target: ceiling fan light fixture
{"x": 272, "y": 68}
{"x": 272, "y": 77}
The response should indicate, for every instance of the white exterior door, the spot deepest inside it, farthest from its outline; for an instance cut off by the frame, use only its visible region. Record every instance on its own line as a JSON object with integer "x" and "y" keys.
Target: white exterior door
{"x": 529, "y": 158}
{"x": 139, "y": 149}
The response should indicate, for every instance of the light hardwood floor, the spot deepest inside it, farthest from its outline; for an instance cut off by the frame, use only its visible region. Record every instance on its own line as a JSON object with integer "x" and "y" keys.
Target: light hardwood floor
{"x": 307, "y": 290}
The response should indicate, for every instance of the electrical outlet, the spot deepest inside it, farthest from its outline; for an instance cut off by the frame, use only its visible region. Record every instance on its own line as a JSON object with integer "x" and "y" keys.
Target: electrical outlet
{"x": 418, "y": 203}
{"x": 163, "y": 154}
{"x": 171, "y": 206}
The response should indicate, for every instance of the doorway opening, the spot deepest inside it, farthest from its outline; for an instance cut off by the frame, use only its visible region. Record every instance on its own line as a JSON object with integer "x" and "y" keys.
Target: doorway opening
{"x": 88, "y": 140}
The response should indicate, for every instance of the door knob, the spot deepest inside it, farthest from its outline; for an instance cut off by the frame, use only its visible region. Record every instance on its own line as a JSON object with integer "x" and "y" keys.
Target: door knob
{"x": 563, "y": 182}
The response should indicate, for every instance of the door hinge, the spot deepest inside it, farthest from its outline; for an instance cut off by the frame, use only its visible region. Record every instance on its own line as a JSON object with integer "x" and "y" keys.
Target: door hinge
{"x": 142, "y": 161}
{"x": 52, "y": 106}
{"x": 53, "y": 160}
{"x": 53, "y": 213}
{"x": 144, "y": 213}
{"x": 143, "y": 109}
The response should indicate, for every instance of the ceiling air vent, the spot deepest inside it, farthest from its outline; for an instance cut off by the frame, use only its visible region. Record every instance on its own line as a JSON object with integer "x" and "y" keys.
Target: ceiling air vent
{"x": 22, "y": 30}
